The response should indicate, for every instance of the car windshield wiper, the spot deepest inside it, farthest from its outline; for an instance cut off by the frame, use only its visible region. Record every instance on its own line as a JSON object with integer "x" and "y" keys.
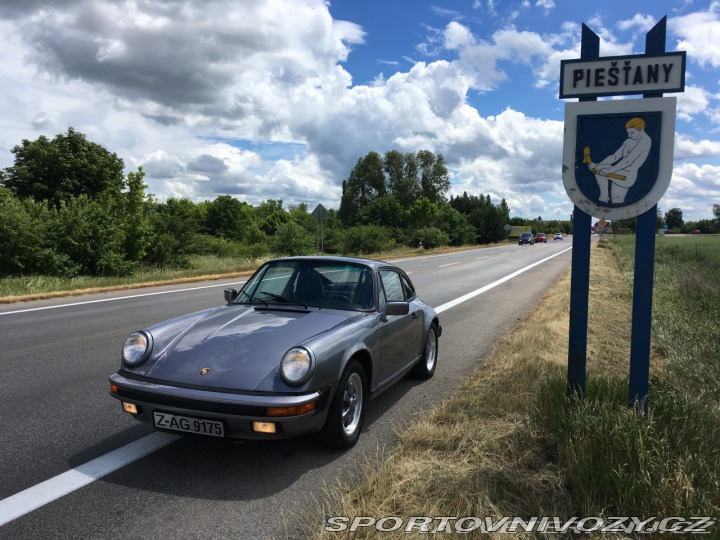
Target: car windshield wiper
{"x": 250, "y": 300}
{"x": 282, "y": 299}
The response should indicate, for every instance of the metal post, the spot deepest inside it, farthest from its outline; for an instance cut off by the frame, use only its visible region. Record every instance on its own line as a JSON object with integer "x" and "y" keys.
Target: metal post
{"x": 644, "y": 270}
{"x": 580, "y": 277}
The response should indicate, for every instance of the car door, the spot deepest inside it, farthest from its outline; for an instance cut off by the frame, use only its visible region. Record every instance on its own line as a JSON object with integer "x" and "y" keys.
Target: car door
{"x": 399, "y": 334}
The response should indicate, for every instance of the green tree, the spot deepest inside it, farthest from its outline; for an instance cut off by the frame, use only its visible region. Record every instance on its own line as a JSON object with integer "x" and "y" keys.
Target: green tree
{"x": 366, "y": 239}
{"x": 435, "y": 179}
{"x": 365, "y": 183}
{"x": 230, "y": 218}
{"x": 402, "y": 177}
{"x": 25, "y": 243}
{"x": 300, "y": 215}
{"x": 86, "y": 231}
{"x": 674, "y": 218}
{"x": 292, "y": 239}
{"x": 174, "y": 227}
{"x": 488, "y": 219}
{"x": 137, "y": 223}
{"x": 63, "y": 168}
{"x": 266, "y": 208}
{"x": 385, "y": 210}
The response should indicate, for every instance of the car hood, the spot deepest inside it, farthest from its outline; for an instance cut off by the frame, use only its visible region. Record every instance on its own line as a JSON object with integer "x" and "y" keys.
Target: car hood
{"x": 234, "y": 346}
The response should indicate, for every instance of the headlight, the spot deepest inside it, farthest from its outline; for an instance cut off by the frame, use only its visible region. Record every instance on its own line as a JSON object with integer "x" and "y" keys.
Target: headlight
{"x": 136, "y": 348}
{"x": 297, "y": 366}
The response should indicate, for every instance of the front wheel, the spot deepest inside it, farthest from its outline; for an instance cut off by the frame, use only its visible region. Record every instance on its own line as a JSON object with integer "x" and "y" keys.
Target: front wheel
{"x": 347, "y": 410}
{"x": 425, "y": 368}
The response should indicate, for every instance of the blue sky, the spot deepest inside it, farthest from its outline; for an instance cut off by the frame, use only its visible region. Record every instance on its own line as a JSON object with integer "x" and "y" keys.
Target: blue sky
{"x": 277, "y": 99}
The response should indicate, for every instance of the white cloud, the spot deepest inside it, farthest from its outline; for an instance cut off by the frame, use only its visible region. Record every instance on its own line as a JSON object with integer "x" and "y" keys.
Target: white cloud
{"x": 254, "y": 99}
{"x": 699, "y": 34}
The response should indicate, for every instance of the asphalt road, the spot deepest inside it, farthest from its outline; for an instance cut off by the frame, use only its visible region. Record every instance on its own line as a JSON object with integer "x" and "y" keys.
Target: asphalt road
{"x": 56, "y": 415}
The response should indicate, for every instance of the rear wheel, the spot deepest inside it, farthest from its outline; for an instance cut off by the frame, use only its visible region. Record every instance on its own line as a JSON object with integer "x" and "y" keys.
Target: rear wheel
{"x": 425, "y": 368}
{"x": 347, "y": 410}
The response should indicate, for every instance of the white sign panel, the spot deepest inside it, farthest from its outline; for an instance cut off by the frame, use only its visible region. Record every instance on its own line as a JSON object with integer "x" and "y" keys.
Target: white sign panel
{"x": 622, "y": 75}
{"x": 618, "y": 155}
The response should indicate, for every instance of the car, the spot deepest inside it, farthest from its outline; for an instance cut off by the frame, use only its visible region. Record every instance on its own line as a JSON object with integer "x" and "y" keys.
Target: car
{"x": 541, "y": 237}
{"x": 695, "y": 231}
{"x": 557, "y": 236}
{"x": 299, "y": 349}
{"x": 526, "y": 238}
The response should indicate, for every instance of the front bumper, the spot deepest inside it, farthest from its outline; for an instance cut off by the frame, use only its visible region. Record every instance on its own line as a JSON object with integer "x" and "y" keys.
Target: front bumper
{"x": 237, "y": 411}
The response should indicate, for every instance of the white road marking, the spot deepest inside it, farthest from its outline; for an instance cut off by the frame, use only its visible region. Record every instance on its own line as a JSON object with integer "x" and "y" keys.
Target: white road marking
{"x": 41, "y": 494}
{"x": 448, "y": 264}
{"x": 494, "y": 284}
{"x": 117, "y": 298}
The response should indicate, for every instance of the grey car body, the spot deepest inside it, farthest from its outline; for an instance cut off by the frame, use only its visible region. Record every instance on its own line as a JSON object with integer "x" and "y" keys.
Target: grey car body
{"x": 299, "y": 349}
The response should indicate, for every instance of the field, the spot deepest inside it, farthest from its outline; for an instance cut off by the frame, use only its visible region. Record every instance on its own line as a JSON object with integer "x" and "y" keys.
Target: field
{"x": 509, "y": 442}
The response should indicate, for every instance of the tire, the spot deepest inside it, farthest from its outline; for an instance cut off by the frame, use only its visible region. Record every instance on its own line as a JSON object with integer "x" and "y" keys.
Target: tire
{"x": 347, "y": 410}
{"x": 425, "y": 368}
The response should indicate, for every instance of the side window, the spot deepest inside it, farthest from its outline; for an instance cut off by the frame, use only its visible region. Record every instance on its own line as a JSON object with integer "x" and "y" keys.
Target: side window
{"x": 393, "y": 286}
{"x": 408, "y": 288}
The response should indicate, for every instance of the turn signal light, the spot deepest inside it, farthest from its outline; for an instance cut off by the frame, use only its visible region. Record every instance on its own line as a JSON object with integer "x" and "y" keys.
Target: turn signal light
{"x": 129, "y": 407}
{"x": 295, "y": 410}
{"x": 264, "y": 427}
{"x": 114, "y": 388}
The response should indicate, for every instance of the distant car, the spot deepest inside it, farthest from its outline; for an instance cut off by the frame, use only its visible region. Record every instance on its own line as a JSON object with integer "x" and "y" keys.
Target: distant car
{"x": 558, "y": 236}
{"x": 301, "y": 348}
{"x": 526, "y": 238}
{"x": 695, "y": 231}
{"x": 541, "y": 237}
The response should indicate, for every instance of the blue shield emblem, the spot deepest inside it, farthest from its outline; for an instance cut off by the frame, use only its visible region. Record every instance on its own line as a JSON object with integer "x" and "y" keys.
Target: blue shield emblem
{"x": 617, "y": 156}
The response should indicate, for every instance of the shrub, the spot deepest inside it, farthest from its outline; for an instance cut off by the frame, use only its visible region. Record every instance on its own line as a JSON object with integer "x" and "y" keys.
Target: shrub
{"x": 367, "y": 239}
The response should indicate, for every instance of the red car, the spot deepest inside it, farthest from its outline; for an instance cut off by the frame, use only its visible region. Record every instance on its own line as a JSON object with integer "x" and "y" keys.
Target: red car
{"x": 696, "y": 231}
{"x": 540, "y": 237}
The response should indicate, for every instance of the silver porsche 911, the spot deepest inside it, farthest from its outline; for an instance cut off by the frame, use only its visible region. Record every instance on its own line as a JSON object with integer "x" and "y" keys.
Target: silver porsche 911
{"x": 300, "y": 349}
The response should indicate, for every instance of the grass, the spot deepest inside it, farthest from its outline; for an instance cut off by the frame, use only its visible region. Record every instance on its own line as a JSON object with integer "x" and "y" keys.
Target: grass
{"x": 14, "y": 289}
{"x": 509, "y": 442}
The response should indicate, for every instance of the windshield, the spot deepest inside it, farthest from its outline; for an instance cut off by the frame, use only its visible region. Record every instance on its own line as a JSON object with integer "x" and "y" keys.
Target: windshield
{"x": 313, "y": 283}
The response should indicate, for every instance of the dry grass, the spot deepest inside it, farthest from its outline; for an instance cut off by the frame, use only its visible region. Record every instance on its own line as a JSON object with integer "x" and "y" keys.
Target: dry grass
{"x": 479, "y": 453}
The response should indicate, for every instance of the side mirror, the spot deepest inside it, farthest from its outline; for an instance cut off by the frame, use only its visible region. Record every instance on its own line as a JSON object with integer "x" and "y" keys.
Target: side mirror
{"x": 230, "y": 295}
{"x": 397, "y": 308}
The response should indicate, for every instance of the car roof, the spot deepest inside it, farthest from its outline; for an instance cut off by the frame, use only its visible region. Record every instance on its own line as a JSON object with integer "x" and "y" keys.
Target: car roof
{"x": 348, "y": 260}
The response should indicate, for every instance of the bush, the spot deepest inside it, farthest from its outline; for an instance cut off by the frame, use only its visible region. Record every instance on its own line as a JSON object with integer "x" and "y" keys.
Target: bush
{"x": 367, "y": 239}
{"x": 429, "y": 238}
{"x": 292, "y": 239}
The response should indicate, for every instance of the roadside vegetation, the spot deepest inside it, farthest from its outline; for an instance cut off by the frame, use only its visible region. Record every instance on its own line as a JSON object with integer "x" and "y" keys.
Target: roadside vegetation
{"x": 70, "y": 219}
{"x": 509, "y": 442}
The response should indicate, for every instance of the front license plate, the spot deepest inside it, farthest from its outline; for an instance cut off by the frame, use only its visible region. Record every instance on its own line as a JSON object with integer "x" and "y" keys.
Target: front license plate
{"x": 188, "y": 424}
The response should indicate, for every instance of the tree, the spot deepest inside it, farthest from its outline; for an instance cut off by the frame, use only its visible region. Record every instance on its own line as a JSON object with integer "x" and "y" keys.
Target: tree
{"x": 402, "y": 177}
{"x": 674, "y": 218}
{"x": 292, "y": 239}
{"x": 230, "y": 218}
{"x": 137, "y": 224}
{"x": 365, "y": 183}
{"x": 435, "y": 179}
{"x": 63, "y": 168}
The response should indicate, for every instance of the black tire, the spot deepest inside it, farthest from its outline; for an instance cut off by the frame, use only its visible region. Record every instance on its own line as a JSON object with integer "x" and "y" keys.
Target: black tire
{"x": 347, "y": 410}
{"x": 425, "y": 368}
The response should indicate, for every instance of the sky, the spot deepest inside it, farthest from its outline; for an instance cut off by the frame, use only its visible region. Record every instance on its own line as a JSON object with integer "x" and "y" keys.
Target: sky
{"x": 278, "y": 99}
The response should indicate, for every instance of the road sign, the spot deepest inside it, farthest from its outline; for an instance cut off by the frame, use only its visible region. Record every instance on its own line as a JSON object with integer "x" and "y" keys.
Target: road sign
{"x": 618, "y": 155}
{"x": 320, "y": 213}
{"x": 623, "y": 75}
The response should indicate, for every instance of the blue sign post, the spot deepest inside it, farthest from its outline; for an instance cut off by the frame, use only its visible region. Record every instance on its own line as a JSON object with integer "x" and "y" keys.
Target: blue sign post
{"x": 617, "y": 164}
